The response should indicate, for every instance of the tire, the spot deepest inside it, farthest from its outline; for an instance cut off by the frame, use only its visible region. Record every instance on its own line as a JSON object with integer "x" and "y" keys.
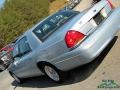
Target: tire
{"x": 18, "y": 80}
{"x": 53, "y": 73}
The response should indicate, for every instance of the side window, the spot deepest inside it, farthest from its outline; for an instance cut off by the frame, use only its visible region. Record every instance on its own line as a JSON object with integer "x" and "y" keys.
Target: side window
{"x": 51, "y": 24}
{"x": 22, "y": 47}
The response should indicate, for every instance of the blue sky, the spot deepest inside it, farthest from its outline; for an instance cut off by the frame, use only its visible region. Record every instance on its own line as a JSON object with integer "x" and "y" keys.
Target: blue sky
{"x": 1, "y": 3}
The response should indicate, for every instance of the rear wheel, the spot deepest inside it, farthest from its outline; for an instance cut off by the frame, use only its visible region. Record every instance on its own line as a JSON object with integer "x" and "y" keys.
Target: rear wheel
{"x": 53, "y": 73}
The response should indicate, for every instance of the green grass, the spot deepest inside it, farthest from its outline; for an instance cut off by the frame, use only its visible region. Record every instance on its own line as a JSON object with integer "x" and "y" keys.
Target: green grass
{"x": 19, "y": 15}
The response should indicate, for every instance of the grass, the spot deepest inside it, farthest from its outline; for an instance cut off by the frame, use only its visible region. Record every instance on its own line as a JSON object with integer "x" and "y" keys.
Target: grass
{"x": 19, "y": 15}
{"x": 56, "y": 5}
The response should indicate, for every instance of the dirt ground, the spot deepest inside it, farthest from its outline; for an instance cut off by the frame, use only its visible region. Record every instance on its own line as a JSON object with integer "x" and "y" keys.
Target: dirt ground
{"x": 88, "y": 77}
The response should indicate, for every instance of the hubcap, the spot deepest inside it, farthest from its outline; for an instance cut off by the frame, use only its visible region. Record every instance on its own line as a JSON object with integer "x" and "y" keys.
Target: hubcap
{"x": 52, "y": 73}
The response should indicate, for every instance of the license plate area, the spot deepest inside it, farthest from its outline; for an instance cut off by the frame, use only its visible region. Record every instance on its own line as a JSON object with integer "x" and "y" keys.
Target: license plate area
{"x": 98, "y": 18}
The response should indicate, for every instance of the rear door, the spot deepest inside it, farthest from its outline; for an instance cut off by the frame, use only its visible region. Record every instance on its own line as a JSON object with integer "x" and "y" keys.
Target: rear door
{"x": 24, "y": 62}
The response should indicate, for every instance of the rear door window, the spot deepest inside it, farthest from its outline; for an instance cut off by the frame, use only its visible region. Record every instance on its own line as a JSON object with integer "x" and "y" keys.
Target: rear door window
{"x": 22, "y": 47}
{"x": 47, "y": 27}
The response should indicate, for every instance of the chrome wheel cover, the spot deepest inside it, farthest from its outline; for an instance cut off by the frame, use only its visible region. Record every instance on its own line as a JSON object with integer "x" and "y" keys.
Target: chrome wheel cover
{"x": 52, "y": 73}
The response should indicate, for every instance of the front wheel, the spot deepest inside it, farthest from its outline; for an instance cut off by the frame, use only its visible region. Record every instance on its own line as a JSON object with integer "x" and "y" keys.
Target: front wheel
{"x": 18, "y": 80}
{"x": 53, "y": 73}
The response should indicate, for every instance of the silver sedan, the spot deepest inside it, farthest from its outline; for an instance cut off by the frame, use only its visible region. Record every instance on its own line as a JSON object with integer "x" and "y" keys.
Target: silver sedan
{"x": 63, "y": 41}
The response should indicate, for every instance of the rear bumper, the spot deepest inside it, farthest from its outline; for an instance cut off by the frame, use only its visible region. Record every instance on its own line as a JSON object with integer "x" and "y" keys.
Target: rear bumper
{"x": 92, "y": 46}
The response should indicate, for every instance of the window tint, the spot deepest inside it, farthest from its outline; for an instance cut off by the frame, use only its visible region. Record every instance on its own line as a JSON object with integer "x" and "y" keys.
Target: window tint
{"x": 51, "y": 24}
{"x": 15, "y": 51}
{"x": 22, "y": 47}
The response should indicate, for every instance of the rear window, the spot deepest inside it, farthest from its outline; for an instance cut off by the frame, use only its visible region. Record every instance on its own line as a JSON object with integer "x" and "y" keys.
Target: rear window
{"x": 47, "y": 27}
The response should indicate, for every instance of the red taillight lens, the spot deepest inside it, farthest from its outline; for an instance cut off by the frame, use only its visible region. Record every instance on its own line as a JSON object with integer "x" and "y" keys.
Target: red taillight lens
{"x": 111, "y": 5}
{"x": 73, "y": 37}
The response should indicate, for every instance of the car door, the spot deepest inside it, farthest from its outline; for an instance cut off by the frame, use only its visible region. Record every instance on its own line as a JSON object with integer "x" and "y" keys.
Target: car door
{"x": 24, "y": 63}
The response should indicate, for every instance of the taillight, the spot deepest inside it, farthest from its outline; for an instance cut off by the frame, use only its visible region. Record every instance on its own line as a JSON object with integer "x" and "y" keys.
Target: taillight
{"x": 73, "y": 37}
{"x": 110, "y": 4}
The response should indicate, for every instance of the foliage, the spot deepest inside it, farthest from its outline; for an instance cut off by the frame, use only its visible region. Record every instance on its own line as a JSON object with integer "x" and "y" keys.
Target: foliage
{"x": 19, "y": 15}
{"x": 56, "y": 5}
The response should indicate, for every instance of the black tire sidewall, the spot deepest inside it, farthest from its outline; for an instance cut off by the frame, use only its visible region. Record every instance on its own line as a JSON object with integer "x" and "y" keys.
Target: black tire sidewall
{"x": 12, "y": 74}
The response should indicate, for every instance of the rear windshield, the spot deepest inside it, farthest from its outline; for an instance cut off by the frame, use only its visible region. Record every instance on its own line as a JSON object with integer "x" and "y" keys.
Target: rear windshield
{"x": 47, "y": 27}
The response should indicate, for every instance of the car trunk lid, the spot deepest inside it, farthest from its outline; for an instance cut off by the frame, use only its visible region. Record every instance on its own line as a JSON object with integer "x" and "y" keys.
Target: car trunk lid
{"x": 93, "y": 17}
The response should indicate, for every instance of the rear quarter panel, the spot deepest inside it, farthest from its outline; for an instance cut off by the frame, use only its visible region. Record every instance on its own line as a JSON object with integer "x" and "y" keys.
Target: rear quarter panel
{"x": 92, "y": 46}
{"x": 55, "y": 45}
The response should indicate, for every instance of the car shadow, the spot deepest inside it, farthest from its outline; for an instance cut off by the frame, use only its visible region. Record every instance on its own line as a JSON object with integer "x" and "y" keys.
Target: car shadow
{"x": 76, "y": 75}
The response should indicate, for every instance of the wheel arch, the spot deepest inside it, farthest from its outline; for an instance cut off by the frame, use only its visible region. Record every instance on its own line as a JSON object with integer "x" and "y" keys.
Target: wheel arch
{"x": 40, "y": 65}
